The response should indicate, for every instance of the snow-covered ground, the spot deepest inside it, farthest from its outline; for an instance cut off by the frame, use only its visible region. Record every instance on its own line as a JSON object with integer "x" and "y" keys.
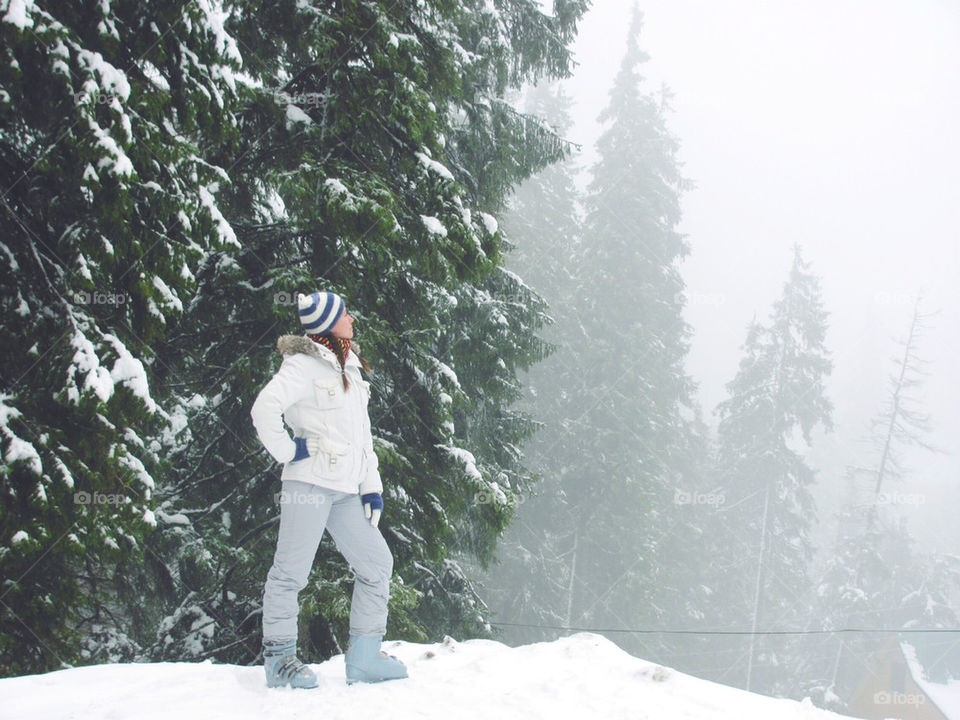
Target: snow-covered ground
{"x": 583, "y": 676}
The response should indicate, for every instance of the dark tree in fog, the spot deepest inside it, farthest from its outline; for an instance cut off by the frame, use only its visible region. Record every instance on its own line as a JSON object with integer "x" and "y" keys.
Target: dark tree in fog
{"x": 530, "y": 585}
{"x": 762, "y": 535}
{"x": 627, "y": 425}
{"x": 621, "y": 434}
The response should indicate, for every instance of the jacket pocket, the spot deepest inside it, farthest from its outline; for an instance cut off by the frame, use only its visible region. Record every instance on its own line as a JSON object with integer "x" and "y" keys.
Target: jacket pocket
{"x": 333, "y": 461}
{"x": 329, "y": 394}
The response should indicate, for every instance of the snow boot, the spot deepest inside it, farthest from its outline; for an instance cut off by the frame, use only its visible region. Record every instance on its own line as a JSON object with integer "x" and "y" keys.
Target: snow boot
{"x": 282, "y": 666}
{"x": 366, "y": 663}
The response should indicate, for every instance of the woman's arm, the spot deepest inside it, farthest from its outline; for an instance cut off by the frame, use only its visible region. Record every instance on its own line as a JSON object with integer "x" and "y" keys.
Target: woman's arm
{"x": 288, "y": 386}
{"x": 371, "y": 482}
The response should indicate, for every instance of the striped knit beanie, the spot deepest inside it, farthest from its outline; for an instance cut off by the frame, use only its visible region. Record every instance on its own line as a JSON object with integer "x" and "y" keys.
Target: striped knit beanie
{"x": 319, "y": 311}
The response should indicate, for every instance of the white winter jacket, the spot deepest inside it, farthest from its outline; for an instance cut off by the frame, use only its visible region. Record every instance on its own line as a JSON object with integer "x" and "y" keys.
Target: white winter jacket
{"x": 307, "y": 393}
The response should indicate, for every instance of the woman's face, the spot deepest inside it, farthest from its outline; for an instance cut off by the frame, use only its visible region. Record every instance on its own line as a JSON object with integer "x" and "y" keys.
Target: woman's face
{"x": 343, "y": 328}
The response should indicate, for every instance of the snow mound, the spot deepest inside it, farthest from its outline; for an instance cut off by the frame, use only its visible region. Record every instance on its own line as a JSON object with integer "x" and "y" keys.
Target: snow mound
{"x": 581, "y": 676}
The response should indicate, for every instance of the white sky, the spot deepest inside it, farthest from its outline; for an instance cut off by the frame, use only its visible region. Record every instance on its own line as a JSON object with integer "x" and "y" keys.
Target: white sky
{"x": 832, "y": 123}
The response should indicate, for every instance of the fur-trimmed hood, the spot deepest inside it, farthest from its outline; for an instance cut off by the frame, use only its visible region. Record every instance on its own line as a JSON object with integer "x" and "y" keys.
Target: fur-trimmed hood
{"x": 293, "y": 344}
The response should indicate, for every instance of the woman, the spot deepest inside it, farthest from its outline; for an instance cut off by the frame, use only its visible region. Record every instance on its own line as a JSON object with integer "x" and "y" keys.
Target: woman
{"x": 330, "y": 480}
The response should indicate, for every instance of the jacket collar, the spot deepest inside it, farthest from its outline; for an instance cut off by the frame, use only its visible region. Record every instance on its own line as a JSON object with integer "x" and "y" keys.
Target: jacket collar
{"x": 293, "y": 344}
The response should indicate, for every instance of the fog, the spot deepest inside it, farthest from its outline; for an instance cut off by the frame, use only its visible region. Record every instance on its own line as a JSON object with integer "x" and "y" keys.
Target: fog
{"x": 176, "y": 174}
{"x": 832, "y": 125}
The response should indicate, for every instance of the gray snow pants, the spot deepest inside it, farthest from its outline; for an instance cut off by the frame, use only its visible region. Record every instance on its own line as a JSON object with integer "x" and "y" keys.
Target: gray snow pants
{"x": 305, "y": 511}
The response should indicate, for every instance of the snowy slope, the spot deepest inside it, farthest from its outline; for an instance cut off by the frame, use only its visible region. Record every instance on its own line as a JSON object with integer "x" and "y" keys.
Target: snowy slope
{"x": 582, "y": 676}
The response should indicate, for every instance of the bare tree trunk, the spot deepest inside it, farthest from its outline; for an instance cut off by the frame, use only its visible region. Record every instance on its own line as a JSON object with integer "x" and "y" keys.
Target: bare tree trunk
{"x": 895, "y": 413}
{"x": 756, "y": 593}
{"x": 573, "y": 576}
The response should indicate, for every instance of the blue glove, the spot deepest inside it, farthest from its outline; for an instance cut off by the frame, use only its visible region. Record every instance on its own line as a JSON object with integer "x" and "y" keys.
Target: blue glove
{"x": 302, "y": 451}
{"x": 372, "y": 507}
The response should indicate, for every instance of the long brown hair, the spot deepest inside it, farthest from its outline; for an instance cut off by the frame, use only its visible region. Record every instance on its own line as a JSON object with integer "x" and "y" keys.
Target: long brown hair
{"x": 340, "y": 348}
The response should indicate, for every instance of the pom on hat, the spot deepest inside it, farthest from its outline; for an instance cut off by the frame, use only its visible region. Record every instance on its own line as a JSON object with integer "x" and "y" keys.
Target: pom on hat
{"x": 319, "y": 311}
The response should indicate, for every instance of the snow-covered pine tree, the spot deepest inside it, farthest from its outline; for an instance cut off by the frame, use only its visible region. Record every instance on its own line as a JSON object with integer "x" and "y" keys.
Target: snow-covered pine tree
{"x": 621, "y": 437}
{"x": 529, "y": 585}
{"x": 110, "y": 119}
{"x": 762, "y": 546}
{"x": 377, "y": 149}
{"x": 641, "y": 438}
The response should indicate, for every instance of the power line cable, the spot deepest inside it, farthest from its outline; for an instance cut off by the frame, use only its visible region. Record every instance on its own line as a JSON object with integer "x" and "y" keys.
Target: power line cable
{"x": 650, "y": 631}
